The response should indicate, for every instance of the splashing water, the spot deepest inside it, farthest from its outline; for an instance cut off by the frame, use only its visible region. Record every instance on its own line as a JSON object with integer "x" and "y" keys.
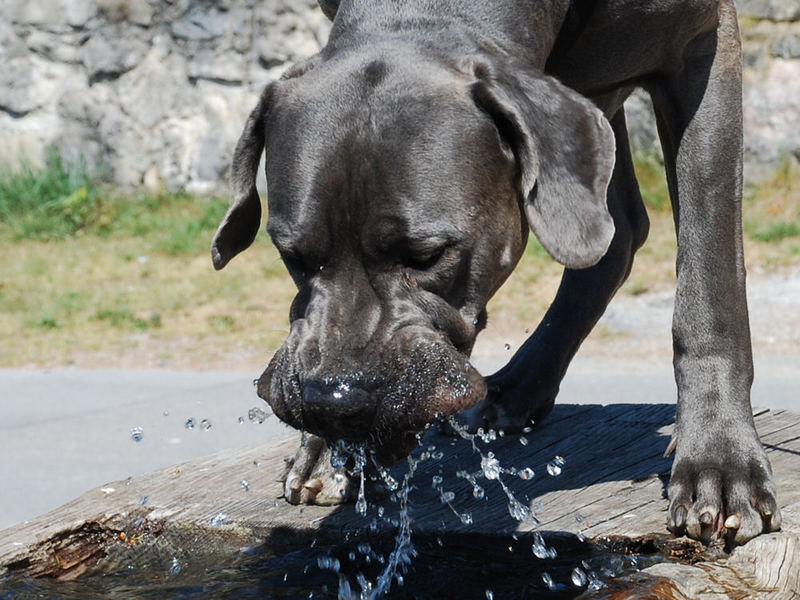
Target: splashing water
{"x": 257, "y": 415}
{"x": 555, "y": 466}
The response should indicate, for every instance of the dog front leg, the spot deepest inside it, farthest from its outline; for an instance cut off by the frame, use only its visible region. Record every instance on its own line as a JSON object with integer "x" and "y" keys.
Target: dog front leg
{"x": 721, "y": 477}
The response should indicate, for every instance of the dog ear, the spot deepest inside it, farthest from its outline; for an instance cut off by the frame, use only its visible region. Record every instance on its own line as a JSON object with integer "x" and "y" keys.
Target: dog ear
{"x": 564, "y": 148}
{"x": 240, "y": 224}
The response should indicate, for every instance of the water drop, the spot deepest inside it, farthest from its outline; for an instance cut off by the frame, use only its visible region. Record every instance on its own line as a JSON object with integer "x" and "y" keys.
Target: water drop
{"x": 507, "y": 346}
{"x": 548, "y": 581}
{"x": 245, "y": 485}
{"x": 518, "y": 511}
{"x": 190, "y": 422}
{"x": 466, "y": 518}
{"x": 490, "y": 466}
{"x": 578, "y": 577}
{"x": 329, "y": 563}
{"x": 436, "y": 481}
{"x": 489, "y": 595}
{"x": 143, "y": 500}
{"x": 241, "y": 420}
{"x": 137, "y": 433}
{"x": 478, "y": 492}
{"x": 579, "y": 518}
{"x": 523, "y": 440}
{"x": 555, "y": 466}
{"x": 361, "y": 506}
{"x": 256, "y": 415}
{"x": 364, "y": 548}
{"x": 219, "y": 520}
{"x": 526, "y": 474}
{"x": 206, "y": 425}
{"x": 255, "y": 382}
{"x": 447, "y": 497}
{"x": 176, "y": 567}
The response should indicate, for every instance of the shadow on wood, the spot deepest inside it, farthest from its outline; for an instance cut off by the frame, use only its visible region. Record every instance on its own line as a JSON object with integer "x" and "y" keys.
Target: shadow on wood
{"x": 611, "y": 489}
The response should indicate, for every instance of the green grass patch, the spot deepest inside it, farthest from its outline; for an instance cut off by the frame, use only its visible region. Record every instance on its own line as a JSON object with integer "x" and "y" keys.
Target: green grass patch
{"x": 51, "y": 202}
{"x": 60, "y": 200}
{"x": 652, "y": 182}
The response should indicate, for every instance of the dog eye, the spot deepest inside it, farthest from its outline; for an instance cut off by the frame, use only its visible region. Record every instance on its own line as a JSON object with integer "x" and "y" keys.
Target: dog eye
{"x": 424, "y": 261}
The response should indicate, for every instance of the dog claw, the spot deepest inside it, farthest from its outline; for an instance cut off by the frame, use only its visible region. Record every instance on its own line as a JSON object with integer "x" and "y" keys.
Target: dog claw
{"x": 680, "y": 517}
{"x": 315, "y": 485}
{"x": 733, "y": 522}
{"x": 706, "y": 518}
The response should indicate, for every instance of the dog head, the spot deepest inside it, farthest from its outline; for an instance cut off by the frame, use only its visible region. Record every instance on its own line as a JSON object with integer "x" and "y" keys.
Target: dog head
{"x": 400, "y": 191}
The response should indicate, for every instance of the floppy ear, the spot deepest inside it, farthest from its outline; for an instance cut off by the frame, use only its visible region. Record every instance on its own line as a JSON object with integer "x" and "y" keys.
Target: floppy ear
{"x": 240, "y": 224}
{"x": 564, "y": 148}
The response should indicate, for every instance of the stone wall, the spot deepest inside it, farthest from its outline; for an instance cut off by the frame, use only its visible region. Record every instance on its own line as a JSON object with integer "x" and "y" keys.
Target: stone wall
{"x": 155, "y": 92}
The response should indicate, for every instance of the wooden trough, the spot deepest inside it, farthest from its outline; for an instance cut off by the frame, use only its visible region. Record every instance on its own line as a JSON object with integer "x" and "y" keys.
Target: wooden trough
{"x": 612, "y": 487}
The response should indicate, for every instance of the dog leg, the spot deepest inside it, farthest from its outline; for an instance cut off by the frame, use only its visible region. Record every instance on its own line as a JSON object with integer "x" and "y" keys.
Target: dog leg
{"x": 526, "y": 388}
{"x": 721, "y": 477}
{"x": 311, "y": 479}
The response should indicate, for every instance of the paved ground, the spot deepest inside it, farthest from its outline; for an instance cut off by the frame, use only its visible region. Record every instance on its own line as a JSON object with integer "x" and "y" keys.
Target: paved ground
{"x": 65, "y": 431}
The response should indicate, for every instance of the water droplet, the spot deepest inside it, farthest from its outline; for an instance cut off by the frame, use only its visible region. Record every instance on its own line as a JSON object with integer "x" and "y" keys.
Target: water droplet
{"x": 256, "y": 415}
{"x": 478, "y": 492}
{"x": 137, "y": 433}
{"x": 206, "y": 425}
{"x": 523, "y": 440}
{"x": 380, "y": 511}
{"x": 166, "y": 413}
{"x": 176, "y": 567}
{"x": 436, "y": 481}
{"x": 364, "y": 548}
{"x": 489, "y": 595}
{"x": 466, "y": 518}
{"x": 517, "y": 510}
{"x": 245, "y": 485}
{"x": 361, "y": 506}
{"x": 219, "y": 520}
{"x": 329, "y": 563}
{"x": 579, "y": 518}
{"x": 447, "y": 497}
{"x": 507, "y": 346}
{"x": 578, "y": 577}
{"x": 143, "y": 500}
{"x": 527, "y": 429}
{"x": 490, "y": 466}
{"x": 241, "y": 420}
{"x": 548, "y": 581}
{"x": 526, "y": 474}
{"x": 539, "y": 548}
{"x": 190, "y": 422}
{"x": 555, "y": 466}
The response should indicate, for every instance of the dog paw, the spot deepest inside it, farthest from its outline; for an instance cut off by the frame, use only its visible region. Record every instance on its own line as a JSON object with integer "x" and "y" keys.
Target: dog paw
{"x": 730, "y": 496}
{"x": 311, "y": 479}
{"x": 510, "y": 405}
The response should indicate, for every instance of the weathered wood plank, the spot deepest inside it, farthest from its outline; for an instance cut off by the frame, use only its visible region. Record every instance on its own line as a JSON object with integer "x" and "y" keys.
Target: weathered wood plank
{"x": 613, "y": 481}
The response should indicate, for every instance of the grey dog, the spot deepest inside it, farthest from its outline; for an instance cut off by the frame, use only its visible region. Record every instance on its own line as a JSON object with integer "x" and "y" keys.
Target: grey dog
{"x": 406, "y": 163}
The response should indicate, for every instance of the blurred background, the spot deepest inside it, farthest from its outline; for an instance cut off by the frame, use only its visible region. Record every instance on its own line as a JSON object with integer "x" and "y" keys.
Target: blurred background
{"x": 118, "y": 120}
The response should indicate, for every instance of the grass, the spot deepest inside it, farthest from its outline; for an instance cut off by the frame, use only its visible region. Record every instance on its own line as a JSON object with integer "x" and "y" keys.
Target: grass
{"x": 98, "y": 278}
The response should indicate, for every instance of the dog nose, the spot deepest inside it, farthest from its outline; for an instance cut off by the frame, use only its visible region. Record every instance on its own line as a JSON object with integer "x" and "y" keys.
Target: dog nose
{"x": 339, "y": 410}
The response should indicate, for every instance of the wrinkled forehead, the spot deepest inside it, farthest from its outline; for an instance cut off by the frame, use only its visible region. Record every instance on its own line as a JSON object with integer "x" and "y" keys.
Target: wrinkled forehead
{"x": 398, "y": 158}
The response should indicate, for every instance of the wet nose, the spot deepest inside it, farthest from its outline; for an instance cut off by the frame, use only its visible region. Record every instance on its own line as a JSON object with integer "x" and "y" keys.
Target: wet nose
{"x": 338, "y": 411}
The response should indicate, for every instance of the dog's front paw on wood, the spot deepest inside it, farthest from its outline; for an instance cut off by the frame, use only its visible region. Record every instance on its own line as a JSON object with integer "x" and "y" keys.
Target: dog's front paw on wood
{"x": 728, "y": 493}
{"x": 310, "y": 478}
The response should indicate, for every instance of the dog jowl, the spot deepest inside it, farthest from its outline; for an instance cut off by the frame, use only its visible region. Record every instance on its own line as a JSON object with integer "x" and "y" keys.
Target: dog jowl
{"x": 406, "y": 164}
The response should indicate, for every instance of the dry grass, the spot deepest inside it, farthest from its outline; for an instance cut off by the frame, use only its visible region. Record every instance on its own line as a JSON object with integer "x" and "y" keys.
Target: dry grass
{"x": 140, "y": 296}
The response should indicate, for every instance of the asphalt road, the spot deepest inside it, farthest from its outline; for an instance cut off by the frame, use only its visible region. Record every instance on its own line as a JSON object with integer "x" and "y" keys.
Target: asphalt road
{"x": 65, "y": 431}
